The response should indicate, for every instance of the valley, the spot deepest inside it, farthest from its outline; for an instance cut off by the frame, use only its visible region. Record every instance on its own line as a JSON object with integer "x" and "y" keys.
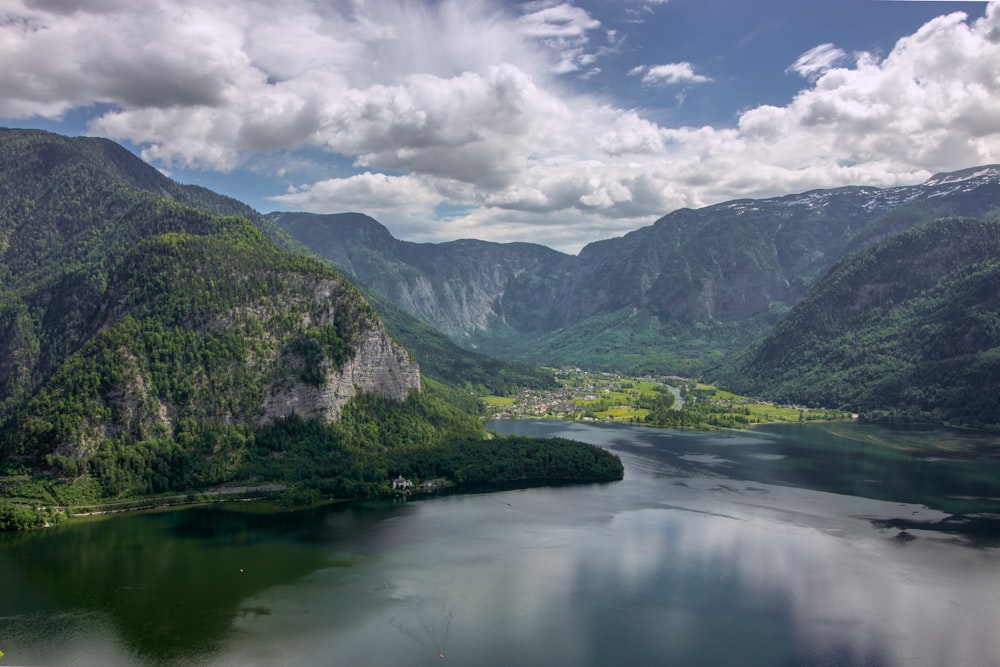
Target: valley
{"x": 544, "y": 332}
{"x": 158, "y": 339}
{"x": 664, "y": 402}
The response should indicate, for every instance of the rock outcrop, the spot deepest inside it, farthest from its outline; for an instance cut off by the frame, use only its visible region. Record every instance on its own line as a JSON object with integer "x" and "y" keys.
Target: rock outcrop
{"x": 379, "y": 366}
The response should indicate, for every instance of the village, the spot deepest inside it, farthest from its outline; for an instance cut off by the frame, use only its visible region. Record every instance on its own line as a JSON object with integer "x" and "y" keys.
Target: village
{"x": 584, "y": 395}
{"x": 596, "y": 396}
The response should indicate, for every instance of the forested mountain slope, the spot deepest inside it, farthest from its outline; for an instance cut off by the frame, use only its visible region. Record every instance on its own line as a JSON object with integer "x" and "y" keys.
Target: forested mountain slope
{"x": 69, "y": 200}
{"x": 128, "y": 318}
{"x": 910, "y": 324}
{"x": 149, "y": 345}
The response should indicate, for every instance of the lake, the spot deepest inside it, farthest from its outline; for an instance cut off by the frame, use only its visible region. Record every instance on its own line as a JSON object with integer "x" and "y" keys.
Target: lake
{"x": 814, "y": 544}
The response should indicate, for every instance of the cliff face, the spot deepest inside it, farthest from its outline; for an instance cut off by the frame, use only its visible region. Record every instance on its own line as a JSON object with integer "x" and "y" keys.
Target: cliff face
{"x": 460, "y": 287}
{"x": 167, "y": 352}
{"x": 128, "y": 316}
{"x": 380, "y": 366}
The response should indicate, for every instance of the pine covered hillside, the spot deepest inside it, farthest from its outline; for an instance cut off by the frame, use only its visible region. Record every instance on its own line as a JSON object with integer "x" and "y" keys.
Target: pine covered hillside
{"x": 909, "y": 326}
{"x": 147, "y": 345}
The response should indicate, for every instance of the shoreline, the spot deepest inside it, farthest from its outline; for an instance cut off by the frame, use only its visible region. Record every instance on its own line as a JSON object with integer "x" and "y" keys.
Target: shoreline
{"x": 201, "y": 498}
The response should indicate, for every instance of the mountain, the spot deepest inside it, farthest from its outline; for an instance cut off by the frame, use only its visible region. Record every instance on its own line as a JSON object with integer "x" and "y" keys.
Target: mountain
{"x": 127, "y": 315}
{"x": 679, "y": 296}
{"x": 909, "y": 325}
{"x": 156, "y": 337}
{"x": 442, "y": 359}
{"x": 86, "y": 229}
{"x": 458, "y": 287}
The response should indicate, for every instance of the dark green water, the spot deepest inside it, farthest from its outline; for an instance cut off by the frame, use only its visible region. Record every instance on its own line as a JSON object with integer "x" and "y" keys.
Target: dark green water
{"x": 776, "y": 547}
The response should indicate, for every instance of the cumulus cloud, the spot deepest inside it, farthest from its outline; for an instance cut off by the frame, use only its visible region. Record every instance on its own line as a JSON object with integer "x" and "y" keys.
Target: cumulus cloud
{"x": 466, "y": 102}
{"x": 363, "y": 192}
{"x": 631, "y": 134}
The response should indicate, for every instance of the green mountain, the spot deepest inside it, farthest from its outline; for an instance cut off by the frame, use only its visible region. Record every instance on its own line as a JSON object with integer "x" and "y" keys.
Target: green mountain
{"x": 909, "y": 326}
{"x": 679, "y": 296}
{"x": 150, "y": 341}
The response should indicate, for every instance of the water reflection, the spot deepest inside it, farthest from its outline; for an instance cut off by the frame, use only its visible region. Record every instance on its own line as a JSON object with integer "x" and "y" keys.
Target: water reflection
{"x": 641, "y": 573}
{"x": 167, "y": 584}
{"x": 697, "y": 569}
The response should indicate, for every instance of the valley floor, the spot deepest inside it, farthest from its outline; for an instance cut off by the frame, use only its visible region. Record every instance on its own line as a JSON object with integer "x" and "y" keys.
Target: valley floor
{"x": 655, "y": 401}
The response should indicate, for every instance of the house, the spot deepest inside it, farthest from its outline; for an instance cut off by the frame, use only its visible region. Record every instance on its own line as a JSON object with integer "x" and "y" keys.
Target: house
{"x": 401, "y": 484}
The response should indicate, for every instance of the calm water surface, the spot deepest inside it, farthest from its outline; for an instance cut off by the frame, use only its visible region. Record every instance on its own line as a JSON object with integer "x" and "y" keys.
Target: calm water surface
{"x": 781, "y": 546}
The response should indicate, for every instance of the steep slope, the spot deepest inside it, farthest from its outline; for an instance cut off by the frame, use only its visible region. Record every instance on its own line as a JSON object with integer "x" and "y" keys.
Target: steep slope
{"x": 738, "y": 259}
{"x": 910, "y": 324}
{"x": 128, "y": 318}
{"x": 148, "y": 346}
{"x": 690, "y": 290}
{"x": 442, "y": 359}
{"x": 45, "y": 171}
{"x": 459, "y": 287}
{"x": 186, "y": 338}
{"x": 72, "y": 210}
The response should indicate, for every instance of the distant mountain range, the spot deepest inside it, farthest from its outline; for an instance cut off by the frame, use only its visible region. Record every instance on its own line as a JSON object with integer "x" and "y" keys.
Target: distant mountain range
{"x": 679, "y": 296}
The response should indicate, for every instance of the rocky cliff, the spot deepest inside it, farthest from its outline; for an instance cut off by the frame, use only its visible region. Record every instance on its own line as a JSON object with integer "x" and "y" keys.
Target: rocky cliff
{"x": 459, "y": 287}
{"x": 127, "y": 316}
{"x": 380, "y": 367}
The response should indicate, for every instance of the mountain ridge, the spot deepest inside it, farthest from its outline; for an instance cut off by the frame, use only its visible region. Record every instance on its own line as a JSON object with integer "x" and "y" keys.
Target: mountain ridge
{"x": 740, "y": 263}
{"x": 909, "y": 325}
{"x": 150, "y": 345}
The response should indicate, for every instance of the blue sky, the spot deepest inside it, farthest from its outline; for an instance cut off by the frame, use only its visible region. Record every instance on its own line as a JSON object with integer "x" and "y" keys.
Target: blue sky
{"x": 546, "y": 121}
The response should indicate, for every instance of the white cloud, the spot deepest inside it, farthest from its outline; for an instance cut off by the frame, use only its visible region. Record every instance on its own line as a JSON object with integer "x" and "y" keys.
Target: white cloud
{"x": 563, "y": 28}
{"x": 561, "y": 21}
{"x": 462, "y": 102}
{"x": 363, "y": 192}
{"x": 631, "y": 134}
{"x": 668, "y": 74}
{"x": 817, "y": 60}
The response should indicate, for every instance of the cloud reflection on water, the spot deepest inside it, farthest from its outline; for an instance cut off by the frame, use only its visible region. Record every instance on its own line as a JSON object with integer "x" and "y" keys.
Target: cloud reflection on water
{"x": 649, "y": 570}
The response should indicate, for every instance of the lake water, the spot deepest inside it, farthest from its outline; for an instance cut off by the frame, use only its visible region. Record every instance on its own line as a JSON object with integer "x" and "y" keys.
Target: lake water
{"x": 781, "y": 546}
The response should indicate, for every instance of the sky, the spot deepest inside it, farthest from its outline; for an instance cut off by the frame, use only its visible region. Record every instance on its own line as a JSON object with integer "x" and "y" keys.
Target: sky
{"x": 549, "y": 121}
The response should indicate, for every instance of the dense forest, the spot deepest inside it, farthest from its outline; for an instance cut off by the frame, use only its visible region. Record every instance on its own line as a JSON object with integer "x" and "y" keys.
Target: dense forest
{"x": 151, "y": 342}
{"x": 908, "y": 328}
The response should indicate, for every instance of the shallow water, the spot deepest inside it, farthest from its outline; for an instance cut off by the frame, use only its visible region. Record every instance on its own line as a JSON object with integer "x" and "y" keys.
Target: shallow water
{"x": 710, "y": 552}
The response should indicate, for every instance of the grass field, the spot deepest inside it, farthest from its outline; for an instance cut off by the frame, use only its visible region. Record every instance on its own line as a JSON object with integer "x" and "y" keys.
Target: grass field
{"x": 499, "y": 401}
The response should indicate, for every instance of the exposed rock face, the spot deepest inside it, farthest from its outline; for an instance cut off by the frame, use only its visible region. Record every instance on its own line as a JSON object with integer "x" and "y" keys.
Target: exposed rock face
{"x": 380, "y": 366}
{"x": 459, "y": 287}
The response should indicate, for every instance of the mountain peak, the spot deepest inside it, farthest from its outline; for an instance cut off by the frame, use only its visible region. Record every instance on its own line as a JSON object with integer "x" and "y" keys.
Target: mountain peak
{"x": 985, "y": 172}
